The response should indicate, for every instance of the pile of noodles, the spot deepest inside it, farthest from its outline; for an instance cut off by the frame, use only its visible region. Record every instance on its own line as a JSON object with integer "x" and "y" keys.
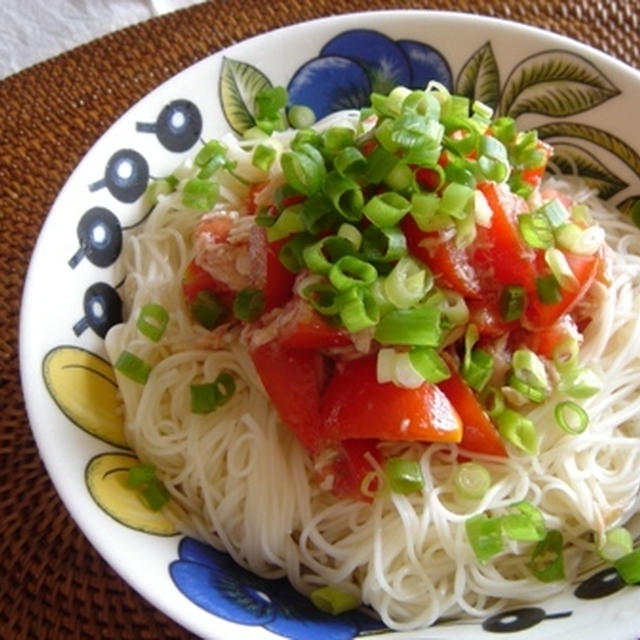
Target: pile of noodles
{"x": 240, "y": 481}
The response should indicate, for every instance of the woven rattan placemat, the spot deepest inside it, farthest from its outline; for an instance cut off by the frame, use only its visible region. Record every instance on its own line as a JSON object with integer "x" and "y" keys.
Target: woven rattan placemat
{"x": 52, "y": 583}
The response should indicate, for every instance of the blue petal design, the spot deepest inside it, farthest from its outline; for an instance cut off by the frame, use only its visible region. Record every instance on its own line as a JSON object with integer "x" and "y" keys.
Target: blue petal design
{"x": 426, "y": 63}
{"x": 329, "y": 84}
{"x": 385, "y": 63}
{"x": 213, "y": 581}
{"x": 222, "y": 593}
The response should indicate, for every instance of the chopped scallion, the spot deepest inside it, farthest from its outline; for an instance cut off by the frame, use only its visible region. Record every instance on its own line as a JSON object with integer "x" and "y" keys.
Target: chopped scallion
{"x": 571, "y": 417}
{"x": 628, "y": 566}
{"x": 248, "y": 304}
{"x": 471, "y": 480}
{"x": 403, "y": 476}
{"x": 130, "y": 365}
{"x": 547, "y": 563}
{"x": 152, "y": 321}
{"x": 485, "y": 536}
{"x": 333, "y": 600}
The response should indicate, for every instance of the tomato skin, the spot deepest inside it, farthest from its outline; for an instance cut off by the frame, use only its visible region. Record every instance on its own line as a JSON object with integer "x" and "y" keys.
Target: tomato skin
{"x": 293, "y": 379}
{"x": 196, "y": 279}
{"x": 538, "y": 315}
{"x": 350, "y": 467}
{"x": 544, "y": 341}
{"x": 305, "y": 328}
{"x": 508, "y": 260}
{"x": 267, "y": 272}
{"x": 356, "y": 405}
{"x": 449, "y": 264}
{"x": 479, "y": 434}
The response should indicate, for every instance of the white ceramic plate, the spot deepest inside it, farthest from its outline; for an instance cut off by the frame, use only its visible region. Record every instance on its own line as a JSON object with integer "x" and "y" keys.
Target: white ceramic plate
{"x": 578, "y": 98}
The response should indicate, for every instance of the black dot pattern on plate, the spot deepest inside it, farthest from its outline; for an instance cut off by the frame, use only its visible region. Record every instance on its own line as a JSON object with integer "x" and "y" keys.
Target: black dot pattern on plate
{"x": 100, "y": 237}
{"x": 102, "y": 310}
{"x": 126, "y": 176}
{"x": 519, "y": 619}
{"x": 599, "y": 585}
{"x": 178, "y": 127}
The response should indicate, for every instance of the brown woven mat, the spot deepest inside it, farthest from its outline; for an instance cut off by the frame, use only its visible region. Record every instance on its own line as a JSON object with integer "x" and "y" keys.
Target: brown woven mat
{"x": 52, "y": 583}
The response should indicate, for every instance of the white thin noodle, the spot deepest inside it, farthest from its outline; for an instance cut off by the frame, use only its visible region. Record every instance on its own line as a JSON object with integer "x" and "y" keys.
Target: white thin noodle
{"x": 241, "y": 481}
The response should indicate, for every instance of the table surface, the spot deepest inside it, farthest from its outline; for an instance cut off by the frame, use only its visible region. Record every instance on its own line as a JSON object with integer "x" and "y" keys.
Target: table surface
{"x": 52, "y": 583}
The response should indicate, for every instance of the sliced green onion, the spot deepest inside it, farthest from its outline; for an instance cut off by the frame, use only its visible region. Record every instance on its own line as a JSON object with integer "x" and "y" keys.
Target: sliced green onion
{"x": 528, "y": 367}
{"x": 322, "y": 297}
{"x": 526, "y": 526}
{"x": 471, "y": 480}
{"x": 511, "y": 302}
{"x": 557, "y": 262}
{"x": 571, "y": 417}
{"x": 615, "y": 544}
{"x": 493, "y": 161}
{"x": 323, "y": 254}
{"x": 420, "y": 327}
{"x": 477, "y": 369}
{"x": 396, "y": 367}
{"x": 518, "y": 430}
{"x": 133, "y": 367}
{"x": 555, "y": 212}
{"x": 289, "y": 221}
{"x": 583, "y": 242}
{"x": 580, "y": 383}
{"x": 290, "y": 253}
{"x": 493, "y": 401}
{"x": 335, "y": 139}
{"x": 263, "y": 157}
{"x": 350, "y": 271}
{"x": 207, "y": 309}
{"x": 212, "y": 156}
{"x": 535, "y": 229}
{"x": 225, "y": 387}
{"x": 383, "y": 244}
{"x": 466, "y": 230}
{"x": 358, "y": 309}
{"x": 152, "y": 321}
{"x": 304, "y": 170}
{"x": 351, "y": 233}
{"x": 140, "y": 474}
{"x": 333, "y": 600}
{"x": 159, "y": 187}
{"x": 628, "y": 567}
{"x": 318, "y": 214}
{"x": 547, "y": 563}
{"x": 345, "y": 195}
{"x": 349, "y": 162}
{"x": 529, "y": 391}
{"x": 425, "y": 210}
{"x": 400, "y": 177}
{"x": 200, "y": 194}
{"x": 300, "y": 116}
{"x": 306, "y": 136}
{"x": 379, "y": 163}
{"x": 455, "y": 199}
{"x": 203, "y": 398}
{"x": 565, "y": 355}
{"x": 408, "y": 282}
{"x": 155, "y": 495}
{"x": 428, "y": 363}
{"x": 452, "y": 305}
{"x": 248, "y": 304}
{"x": 548, "y": 290}
{"x": 485, "y": 536}
{"x": 386, "y": 209}
{"x": 403, "y": 476}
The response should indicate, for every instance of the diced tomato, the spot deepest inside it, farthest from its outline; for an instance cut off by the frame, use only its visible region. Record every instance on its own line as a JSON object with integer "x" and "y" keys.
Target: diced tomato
{"x": 428, "y": 179}
{"x": 499, "y": 247}
{"x": 485, "y": 314}
{"x": 350, "y": 467}
{"x": 293, "y": 379}
{"x": 368, "y": 147}
{"x": 544, "y": 341}
{"x": 356, "y": 405}
{"x": 267, "y": 272}
{"x": 478, "y": 433}
{"x": 216, "y": 226}
{"x": 449, "y": 264}
{"x": 534, "y": 176}
{"x": 254, "y": 190}
{"x": 301, "y": 327}
{"x": 196, "y": 279}
{"x": 538, "y": 314}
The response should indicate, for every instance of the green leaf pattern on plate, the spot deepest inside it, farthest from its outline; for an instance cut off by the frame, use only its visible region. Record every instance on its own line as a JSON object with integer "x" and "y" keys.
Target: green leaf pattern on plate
{"x": 554, "y": 83}
{"x": 239, "y": 84}
{"x": 479, "y": 78}
{"x": 570, "y": 158}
